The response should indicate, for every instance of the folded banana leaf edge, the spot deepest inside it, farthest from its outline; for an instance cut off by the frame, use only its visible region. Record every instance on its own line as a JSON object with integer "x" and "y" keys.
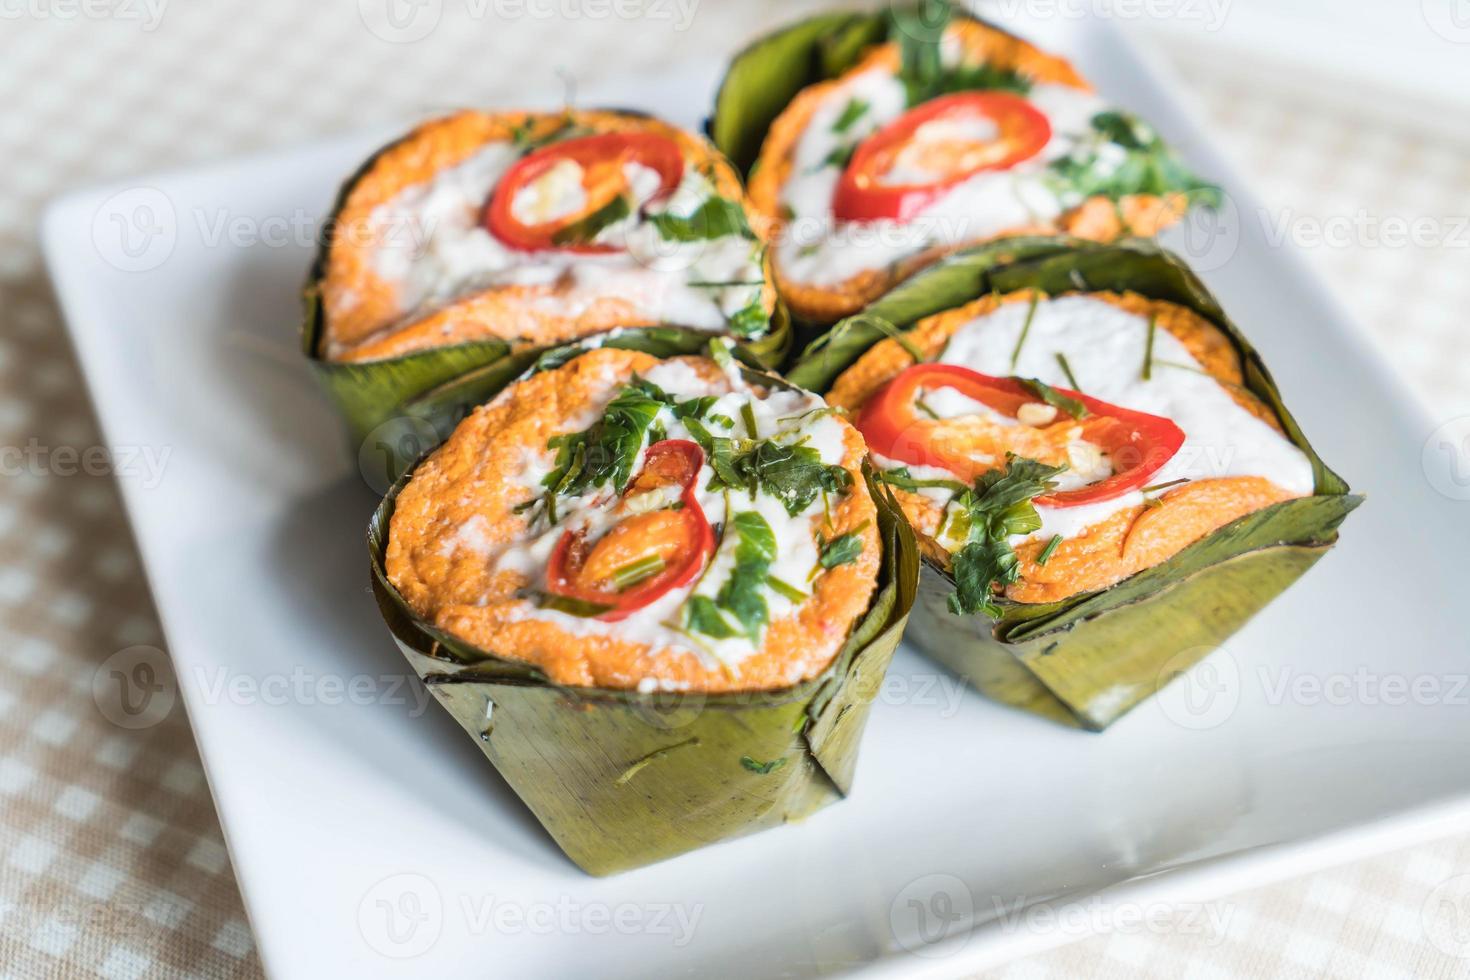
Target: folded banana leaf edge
{"x": 1300, "y": 530}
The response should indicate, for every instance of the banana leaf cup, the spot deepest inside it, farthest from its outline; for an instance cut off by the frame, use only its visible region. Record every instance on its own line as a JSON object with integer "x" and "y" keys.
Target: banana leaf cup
{"x": 369, "y": 393}
{"x": 622, "y": 778}
{"x": 1088, "y": 659}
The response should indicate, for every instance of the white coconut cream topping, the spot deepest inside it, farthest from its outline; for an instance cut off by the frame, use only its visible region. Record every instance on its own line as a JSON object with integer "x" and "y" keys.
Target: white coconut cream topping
{"x": 788, "y": 417}
{"x": 819, "y": 250}
{"x": 431, "y": 244}
{"x": 1106, "y": 348}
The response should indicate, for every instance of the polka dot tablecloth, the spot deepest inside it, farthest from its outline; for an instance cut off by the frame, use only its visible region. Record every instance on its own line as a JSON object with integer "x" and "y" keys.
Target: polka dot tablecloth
{"x": 111, "y": 860}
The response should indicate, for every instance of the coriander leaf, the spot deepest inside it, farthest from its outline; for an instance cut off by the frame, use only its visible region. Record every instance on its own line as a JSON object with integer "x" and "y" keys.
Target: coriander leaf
{"x": 604, "y": 453}
{"x": 793, "y": 475}
{"x": 750, "y": 320}
{"x": 715, "y": 218}
{"x": 1139, "y": 162}
{"x": 842, "y": 550}
{"x": 701, "y": 615}
{"x": 742, "y": 593}
{"x": 998, "y": 506}
{"x": 919, "y": 31}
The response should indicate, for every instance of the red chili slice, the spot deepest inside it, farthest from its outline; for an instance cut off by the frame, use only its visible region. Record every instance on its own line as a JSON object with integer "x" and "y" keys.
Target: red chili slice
{"x": 1139, "y": 444}
{"x": 681, "y": 539}
{"x": 601, "y": 158}
{"x": 862, "y": 194}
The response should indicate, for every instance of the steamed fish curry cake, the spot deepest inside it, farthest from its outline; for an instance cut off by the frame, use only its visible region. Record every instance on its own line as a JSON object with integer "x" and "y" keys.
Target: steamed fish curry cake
{"x": 921, "y": 149}
{"x": 628, "y": 522}
{"x": 1048, "y": 446}
{"x": 538, "y": 228}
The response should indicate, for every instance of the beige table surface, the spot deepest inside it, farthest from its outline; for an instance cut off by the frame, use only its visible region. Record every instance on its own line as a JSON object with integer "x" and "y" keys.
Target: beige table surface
{"x": 111, "y": 860}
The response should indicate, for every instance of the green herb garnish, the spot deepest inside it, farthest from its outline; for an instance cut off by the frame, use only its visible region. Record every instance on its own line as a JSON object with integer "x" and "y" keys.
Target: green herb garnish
{"x": 715, "y": 218}
{"x": 1148, "y": 348}
{"x": 762, "y": 768}
{"x": 851, "y": 113}
{"x": 629, "y": 575}
{"x": 1025, "y": 329}
{"x": 755, "y": 550}
{"x": 1148, "y": 165}
{"x": 587, "y": 228}
{"x": 1055, "y": 398}
{"x": 791, "y": 592}
{"x": 1049, "y": 550}
{"x": 998, "y": 506}
{"x": 843, "y": 549}
{"x": 1067, "y": 370}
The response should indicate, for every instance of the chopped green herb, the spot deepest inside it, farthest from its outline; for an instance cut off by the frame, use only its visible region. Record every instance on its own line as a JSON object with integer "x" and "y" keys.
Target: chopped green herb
{"x": 1025, "y": 329}
{"x": 790, "y": 592}
{"x": 843, "y": 550}
{"x": 998, "y": 506}
{"x": 755, "y": 550}
{"x": 1049, "y": 550}
{"x": 1055, "y": 398}
{"x": 1148, "y": 164}
{"x": 701, "y": 615}
{"x": 762, "y": 768}
{"x": 747, "y": 415}
{"x": 572, "y": 607}
{"x": 715, "y": 218}
{"x": 585, "y": 229}
{"x": 1067, "y": 370}
{"x": 750, "y": 320}
{"x": 839, "y": 157}
{"x": 900, "y": 477}
{"x": 629, "y": 575}
{"x": 1148, "y": 348}
{"x": 1164, "y": 486}
{"x": 921, "y": 406}
{"x": 851, "y": 113}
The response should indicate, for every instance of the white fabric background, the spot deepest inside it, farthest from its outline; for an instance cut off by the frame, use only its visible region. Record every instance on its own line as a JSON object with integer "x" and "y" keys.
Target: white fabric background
{"x": 111, "y": 861}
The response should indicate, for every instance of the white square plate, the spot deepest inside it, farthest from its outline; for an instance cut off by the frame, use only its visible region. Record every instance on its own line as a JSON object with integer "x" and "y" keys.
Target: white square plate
{"x": 371, "y": 838}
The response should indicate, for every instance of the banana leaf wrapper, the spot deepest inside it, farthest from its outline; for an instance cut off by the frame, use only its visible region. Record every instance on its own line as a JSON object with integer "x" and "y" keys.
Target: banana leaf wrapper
{"x": 371, "y": 393}
{"x": 622, "y": 779}
{"x": 768, "y": 73}
{"x": 1089, "y": 659}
